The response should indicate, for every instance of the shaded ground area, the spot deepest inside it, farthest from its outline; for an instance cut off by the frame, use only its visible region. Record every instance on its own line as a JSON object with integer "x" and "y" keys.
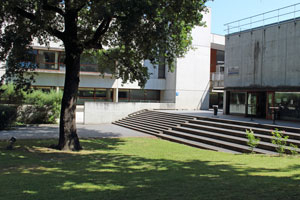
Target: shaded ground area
{"x": 84, "y": 131}
{"x": 143, "y": 168}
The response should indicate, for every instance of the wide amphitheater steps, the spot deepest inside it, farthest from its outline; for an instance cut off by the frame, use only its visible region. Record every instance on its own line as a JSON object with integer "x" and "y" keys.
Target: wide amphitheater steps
{"x": 208, "y": 132}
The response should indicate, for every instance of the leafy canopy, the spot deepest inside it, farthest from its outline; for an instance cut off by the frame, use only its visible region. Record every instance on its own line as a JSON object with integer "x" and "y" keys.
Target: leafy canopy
{"x": 125, "y": 31}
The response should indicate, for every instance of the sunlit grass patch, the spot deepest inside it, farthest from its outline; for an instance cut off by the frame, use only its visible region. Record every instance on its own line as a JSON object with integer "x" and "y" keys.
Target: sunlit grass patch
{"x": 142, "y": 168}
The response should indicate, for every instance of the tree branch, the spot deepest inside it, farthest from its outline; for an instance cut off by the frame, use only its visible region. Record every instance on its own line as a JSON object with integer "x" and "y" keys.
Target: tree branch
{"x": 25, "y": 14}
{"x": 102, "y": 28}
{"x": 56, "y": 33}
{"x": 32, "y": 17}
{"x": 48, "y": 7}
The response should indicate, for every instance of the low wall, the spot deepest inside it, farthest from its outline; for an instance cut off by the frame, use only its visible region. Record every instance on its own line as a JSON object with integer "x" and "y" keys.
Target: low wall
{"x": 107, "y": 112}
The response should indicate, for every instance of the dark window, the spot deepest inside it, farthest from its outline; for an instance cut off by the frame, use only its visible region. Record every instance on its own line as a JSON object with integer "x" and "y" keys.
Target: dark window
{"x": 220, "y": 57}
{"x": 162, "y": 68}
{"x": 61, "y": 60}
{"x": 86, "y": 93}
{"x": 46, "y": 60}
{"x": 137, "y": 95}
{"x": 289, "y": 105}
{"x": 237, "y": 98}
{"x": 153, "y": 95}
{"x": 123, "y": 94}
{"x": 88, "y": 63}
{"x": 30, "y": 59}
{"x": 100, "y": 93}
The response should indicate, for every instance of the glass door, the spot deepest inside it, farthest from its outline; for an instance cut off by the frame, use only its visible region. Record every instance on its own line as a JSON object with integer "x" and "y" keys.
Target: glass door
{"x": 270, "y": 103}
{"x": 256, "y": 104}
{"x": 252, "y": 104}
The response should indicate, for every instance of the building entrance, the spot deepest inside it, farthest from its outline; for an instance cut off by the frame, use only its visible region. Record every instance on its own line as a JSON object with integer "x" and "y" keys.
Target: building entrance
{"x": 256, "y": 104}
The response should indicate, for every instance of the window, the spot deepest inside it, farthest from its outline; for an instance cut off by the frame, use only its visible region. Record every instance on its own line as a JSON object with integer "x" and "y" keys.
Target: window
{"x": 222, "y": 69}
{"x": 88, "y": 63}
{"x": 123, "y": 95}
{"x": 100, "y": 93}
{"x": 46, "y": 60}
{"x": 153, "y": 95}
{"x": 237, "y": 102}
{"x": 137, "y": 95}
{"x": 162, "y": 68}
{"x": 220, "y": 57}
{"x": 61, "y": 60}
{"x": 289, "y": 105}
{"x": 86, "y": 93}
{"x": 30, "y": 60}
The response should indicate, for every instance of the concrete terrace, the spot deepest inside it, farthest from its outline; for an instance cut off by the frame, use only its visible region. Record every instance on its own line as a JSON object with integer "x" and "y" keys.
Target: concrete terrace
{"x": 209, "y": 113}
{"x": 111, "y": 130}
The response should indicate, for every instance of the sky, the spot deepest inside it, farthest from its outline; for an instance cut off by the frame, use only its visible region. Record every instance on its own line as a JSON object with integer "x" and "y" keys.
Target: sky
{"x": 225, "y": 11}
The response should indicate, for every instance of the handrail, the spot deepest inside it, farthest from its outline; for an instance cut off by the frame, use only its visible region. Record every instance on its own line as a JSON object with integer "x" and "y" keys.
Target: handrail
{"x": 262, "y": 19}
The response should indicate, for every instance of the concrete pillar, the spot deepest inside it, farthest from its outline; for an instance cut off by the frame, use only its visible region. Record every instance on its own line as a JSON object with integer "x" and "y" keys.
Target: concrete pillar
{"x": 226, "y": 102}
{"x": 116, "y": 95}
{"x": 57, "y": 89}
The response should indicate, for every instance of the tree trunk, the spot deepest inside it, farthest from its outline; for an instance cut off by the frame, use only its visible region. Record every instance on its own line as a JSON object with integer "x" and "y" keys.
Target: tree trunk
{"x": 68, "y": 138}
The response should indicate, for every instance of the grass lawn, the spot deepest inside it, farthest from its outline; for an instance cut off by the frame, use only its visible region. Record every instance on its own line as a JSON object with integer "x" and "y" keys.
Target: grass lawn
{"x": 142, "y": 168}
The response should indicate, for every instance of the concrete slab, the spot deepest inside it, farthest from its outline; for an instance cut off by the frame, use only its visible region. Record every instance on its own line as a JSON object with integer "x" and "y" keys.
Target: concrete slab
{"x": 209, "y": 113}
{"x": 84, "y": 131}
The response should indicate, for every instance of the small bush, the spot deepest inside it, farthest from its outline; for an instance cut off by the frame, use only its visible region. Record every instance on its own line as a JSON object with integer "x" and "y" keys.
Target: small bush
{"x": 294, "y": 149}
{"x": 42, "y": 108}
{"x": 8, "y": 116}
{"x": 252, "y": 140}
{"x": 9, "y": 95}
{"x": 280, "y": 141}
{"x": 35, "y": 106}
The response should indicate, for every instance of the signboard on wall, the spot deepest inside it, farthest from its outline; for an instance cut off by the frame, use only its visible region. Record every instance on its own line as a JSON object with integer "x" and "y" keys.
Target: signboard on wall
{"x": 233, "y": 70}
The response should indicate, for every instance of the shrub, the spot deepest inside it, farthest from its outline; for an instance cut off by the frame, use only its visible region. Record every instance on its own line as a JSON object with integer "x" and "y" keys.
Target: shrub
{"x": 252, "y": 140}
{"x": 42, "y": 108}
{"x": 294, "y": 149}
{"x": 280, "y": 141}
{"x": 35, "y": 106}
{"x": 9, "y": 95}
{"x": 8, "y": 116}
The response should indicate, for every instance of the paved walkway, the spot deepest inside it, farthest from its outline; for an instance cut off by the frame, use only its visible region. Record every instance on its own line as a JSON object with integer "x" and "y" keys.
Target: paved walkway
{"x": 84, "y": 131}
{"x": 209, "y": 113}
{"x": 110, "y": 130}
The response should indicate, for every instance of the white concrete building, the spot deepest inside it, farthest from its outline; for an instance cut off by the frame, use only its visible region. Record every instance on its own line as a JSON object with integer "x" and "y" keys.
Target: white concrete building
{"x": 186, "y": 88}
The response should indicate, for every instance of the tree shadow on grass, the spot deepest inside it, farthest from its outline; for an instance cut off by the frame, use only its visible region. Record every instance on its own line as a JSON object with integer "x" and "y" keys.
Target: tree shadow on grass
{"x": 110, "y": 175}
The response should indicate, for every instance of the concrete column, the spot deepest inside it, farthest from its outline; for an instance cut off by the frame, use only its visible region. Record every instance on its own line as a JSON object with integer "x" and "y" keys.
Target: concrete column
{"x": 57, "y": 89}
{"x": 226, "y": 102}
{"x": 116, "y": 95}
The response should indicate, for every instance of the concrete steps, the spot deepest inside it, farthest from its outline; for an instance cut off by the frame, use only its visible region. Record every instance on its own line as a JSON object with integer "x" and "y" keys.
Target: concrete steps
{"x": 207, "y": 133}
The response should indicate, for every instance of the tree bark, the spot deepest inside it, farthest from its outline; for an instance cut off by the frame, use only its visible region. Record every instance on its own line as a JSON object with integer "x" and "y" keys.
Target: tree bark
{"x": 68, "y": 138}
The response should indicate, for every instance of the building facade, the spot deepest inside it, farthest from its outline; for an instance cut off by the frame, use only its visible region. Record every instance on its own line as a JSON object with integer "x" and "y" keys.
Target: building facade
{"x": 262, "y": 71}
{"x": 187, "y": 87}
{"x": 217, "y": 59}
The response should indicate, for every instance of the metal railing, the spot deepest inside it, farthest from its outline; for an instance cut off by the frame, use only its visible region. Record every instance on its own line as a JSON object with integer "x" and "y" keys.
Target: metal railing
{"x": 271, "y": 17}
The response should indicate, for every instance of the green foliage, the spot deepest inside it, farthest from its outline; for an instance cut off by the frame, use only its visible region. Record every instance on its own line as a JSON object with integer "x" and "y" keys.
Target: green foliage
{"x": 42, "y": 107}
{"x": 8, "y": 116}
{"x": 10, "y": 95}
{"x": 135, "y": 30}
{"x": 294, "y": 149}
{"x": 34, "y": 106}
{"x": 280, "y": 141}
{"x": 252, "y": 140}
